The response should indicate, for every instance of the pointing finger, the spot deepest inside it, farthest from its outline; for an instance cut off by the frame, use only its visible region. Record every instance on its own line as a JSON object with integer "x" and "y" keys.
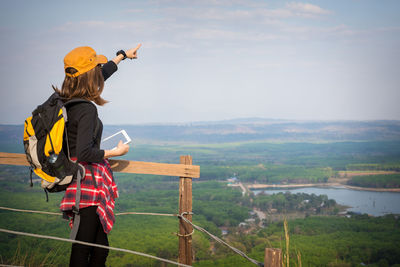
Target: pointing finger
{"x": 138, "y": 46}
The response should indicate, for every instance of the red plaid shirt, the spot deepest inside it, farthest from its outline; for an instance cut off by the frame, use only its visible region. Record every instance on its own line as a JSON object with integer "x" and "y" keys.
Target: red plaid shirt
{"x": 103, "y": 196}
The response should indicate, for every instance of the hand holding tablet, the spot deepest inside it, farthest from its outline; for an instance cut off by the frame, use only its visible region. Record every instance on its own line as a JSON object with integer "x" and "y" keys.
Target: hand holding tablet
{"x": 111, "y": 142}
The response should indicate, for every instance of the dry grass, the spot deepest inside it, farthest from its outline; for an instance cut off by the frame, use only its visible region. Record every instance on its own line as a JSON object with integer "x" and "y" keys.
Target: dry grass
{"x": 30, "y": 258}
{"x": 287, "y": 237}
{"x": 286, "y": 255}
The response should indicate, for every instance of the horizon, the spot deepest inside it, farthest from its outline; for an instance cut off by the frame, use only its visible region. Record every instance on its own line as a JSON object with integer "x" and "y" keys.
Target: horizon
{"x": 233, "y": 120}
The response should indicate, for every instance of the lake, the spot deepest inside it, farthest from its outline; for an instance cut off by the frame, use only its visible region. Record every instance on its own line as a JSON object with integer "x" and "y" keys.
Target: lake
{"x": 373, "y": 203}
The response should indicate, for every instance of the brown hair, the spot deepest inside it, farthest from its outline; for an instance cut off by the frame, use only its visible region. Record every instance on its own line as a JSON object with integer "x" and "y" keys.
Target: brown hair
{"x": 88, "y": 85}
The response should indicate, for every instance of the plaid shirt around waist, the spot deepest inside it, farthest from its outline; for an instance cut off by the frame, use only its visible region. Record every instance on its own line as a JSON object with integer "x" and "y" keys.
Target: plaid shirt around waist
{"x": 103, "y": 196}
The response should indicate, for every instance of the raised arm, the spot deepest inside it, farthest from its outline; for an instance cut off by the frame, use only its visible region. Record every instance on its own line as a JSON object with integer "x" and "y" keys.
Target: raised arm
{"x": 110, "y": 67}
{"x": 130, "y": 53}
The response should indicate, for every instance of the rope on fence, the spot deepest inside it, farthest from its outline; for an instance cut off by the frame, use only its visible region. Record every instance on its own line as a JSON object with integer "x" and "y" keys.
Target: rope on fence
{"x": 93, "y": 245}
{"x": 241, "y": 253}
{"x": 31, "y": 211}
{"x": 58, "y": 213}
{"x": 146, "y": 213}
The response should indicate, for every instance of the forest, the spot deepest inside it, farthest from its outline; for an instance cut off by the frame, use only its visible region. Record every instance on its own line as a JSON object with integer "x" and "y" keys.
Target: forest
{"x": 322, "y": 238}
{"x": 320, "y": 235}
{"x": 300, "y": 202}
{"x": 376, "y": 181}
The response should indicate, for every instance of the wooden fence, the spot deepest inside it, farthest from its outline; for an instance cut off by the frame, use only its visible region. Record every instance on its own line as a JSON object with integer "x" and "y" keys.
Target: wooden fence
{"x": 186, "y": 171}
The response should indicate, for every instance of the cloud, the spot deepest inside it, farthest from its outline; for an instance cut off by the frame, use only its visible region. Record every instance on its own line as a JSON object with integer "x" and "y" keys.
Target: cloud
{"x": 239, "y": 13}
{"x": 227, "y": 35}
{"x": 178, "y": 26}
{"x": 208, "y": 3}
{"x": 306, "y": 10}
{"x": 133, "y": 27}
{"x": 97, "y": 24}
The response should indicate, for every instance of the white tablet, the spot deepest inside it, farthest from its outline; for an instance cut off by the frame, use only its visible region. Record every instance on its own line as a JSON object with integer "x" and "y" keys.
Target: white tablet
{"x": 112, "y": 141}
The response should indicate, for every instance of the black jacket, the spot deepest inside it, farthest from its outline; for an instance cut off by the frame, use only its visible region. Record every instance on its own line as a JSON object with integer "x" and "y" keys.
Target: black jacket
{"x": 83, "y": 137}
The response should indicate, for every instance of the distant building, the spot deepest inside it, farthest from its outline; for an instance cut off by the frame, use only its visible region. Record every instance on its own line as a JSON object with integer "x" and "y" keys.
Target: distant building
{"x": 233, "y": 180}
{"x": 243, "y": 224}
{"x": 342, "y": 213}
{"x": 224, "y": 230}
{"x": 251, "y": 220}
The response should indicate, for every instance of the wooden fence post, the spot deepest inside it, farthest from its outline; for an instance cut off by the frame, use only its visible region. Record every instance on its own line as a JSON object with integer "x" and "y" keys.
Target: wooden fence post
{"x": 273, "y": 257}
{"x": 185, "y": 205}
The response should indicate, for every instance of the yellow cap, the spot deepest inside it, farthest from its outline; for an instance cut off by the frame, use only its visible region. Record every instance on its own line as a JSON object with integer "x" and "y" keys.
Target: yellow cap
{"x": 82, "y": 59}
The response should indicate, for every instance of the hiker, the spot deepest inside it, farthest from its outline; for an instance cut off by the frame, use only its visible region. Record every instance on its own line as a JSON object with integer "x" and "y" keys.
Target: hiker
{"x": 85, "y": 73}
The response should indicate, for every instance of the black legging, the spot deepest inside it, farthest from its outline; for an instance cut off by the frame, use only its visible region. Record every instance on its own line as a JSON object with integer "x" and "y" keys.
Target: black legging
{"x": 90, "y": 230}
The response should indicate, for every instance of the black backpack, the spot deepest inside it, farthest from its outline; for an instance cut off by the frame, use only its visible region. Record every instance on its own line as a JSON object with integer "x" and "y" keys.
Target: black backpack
{"x": 46, "y": 144}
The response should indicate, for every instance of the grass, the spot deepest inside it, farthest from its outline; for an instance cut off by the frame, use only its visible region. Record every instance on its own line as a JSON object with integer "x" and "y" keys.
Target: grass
{"x": 31, "y": 258}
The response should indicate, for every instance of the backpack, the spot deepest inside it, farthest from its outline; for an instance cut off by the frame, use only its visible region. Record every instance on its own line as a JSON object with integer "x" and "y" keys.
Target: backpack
{"x": 47, "y": 151}
{"x": 46, "y": 144}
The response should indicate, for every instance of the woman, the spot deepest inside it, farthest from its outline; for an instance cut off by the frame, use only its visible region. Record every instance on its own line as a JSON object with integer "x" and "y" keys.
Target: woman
{"x": 84, "y": 79}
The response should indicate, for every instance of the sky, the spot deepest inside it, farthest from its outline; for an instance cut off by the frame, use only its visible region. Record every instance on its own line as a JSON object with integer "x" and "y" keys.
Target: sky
{"x": 208, "y": 60}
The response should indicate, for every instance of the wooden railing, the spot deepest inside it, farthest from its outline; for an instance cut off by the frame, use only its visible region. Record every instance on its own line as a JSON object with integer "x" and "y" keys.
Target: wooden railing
{"x": 125, "y": 166}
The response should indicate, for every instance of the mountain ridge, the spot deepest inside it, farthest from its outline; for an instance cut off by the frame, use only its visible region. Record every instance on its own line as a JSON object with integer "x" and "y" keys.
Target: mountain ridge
{"x": 244, "y": 130}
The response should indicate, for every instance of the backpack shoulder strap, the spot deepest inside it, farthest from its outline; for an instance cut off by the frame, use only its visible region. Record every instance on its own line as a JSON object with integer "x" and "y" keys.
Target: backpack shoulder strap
{"x": 72, "y": 102}
{"x": 81, "y": 100}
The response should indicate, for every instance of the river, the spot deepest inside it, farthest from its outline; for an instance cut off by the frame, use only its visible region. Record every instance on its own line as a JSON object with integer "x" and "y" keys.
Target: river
{"x": 373, "y": 203}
